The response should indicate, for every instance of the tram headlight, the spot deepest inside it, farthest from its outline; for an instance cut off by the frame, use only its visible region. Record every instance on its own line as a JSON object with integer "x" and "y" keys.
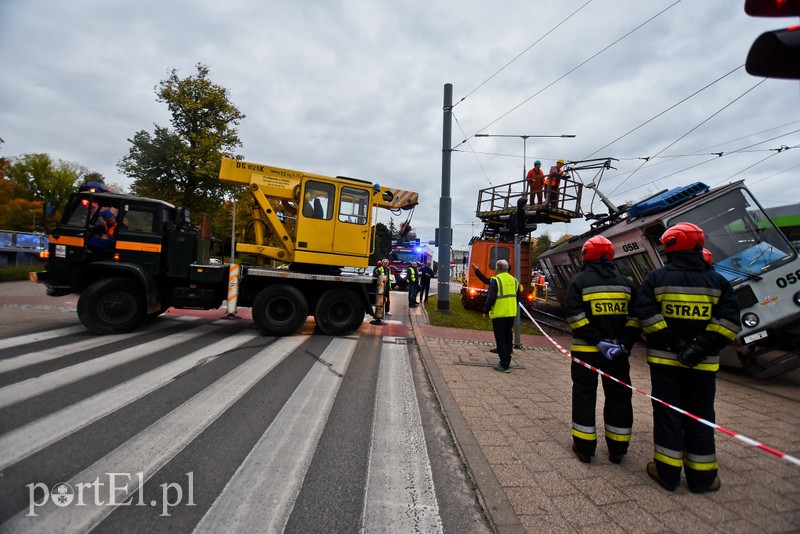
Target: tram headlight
{"x": 796, "y": 298}
{"x": 750, "y": 320}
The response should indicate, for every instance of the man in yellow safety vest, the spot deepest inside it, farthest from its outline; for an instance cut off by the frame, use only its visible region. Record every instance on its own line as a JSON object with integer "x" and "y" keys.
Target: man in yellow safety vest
{"x": 501, "y": 305}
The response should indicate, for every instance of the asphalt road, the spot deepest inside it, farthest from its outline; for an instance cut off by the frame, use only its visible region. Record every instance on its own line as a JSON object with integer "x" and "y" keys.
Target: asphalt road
{"x": 197, "y": 423}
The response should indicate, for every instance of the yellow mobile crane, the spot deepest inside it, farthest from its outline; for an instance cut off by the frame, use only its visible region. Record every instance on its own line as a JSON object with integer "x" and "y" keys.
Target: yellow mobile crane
{"x": 332, "y": 216}
{"x": 159, "y": 259}
{"x": 321, "y": 224}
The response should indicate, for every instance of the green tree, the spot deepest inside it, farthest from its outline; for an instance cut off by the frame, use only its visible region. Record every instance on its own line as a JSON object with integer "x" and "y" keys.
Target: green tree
{"x": 383, "y": 243}
{"x": 541, "y": 245}
{"x": 37, "y": 178}
{"x": 181, "y": 165}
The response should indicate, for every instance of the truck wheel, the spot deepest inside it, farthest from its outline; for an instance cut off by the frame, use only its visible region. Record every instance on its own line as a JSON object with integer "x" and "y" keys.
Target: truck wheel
{"x": 112, "y": 306}
{"x": 339, "y": 312}
{"x": 280, "y": 310}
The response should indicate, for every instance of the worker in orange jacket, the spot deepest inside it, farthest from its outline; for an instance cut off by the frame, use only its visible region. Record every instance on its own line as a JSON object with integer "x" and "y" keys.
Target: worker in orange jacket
{"x": 535, "y": 179}
{"x": 552, "y": 181}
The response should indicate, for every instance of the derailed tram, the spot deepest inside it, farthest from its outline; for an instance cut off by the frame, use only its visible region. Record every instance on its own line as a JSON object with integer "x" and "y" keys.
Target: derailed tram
{"x": 748, "y": 249}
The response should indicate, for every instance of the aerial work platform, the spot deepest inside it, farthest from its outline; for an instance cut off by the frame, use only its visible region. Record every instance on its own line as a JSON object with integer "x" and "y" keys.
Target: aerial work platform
{"x": 497, "y": 205}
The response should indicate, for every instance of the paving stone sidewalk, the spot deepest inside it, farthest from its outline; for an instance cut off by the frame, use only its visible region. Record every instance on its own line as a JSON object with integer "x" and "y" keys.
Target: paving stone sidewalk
{"x": 514, "y": 432}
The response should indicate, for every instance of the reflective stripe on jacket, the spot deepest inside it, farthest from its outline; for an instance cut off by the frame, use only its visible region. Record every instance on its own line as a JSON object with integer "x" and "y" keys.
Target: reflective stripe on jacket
{"x": 599, "y": 306}
{"x": 506, "y": 303}
{"x": 685, "y": 302}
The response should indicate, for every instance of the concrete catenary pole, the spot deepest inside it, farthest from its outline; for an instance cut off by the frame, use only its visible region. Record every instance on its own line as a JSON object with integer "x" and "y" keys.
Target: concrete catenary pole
{"x": 445, "y": 204}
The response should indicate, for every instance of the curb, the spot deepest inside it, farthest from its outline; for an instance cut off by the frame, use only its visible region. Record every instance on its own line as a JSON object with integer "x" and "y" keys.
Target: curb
{"x": 490, "y": 493}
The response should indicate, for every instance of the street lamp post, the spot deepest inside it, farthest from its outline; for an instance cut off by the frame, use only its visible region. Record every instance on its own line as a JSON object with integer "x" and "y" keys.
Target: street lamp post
{"x": 524, "y": 145}
{"x": 517, "y": 266}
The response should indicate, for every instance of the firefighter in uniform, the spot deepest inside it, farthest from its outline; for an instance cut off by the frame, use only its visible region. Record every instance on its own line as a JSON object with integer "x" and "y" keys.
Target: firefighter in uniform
{"x": 502, "y": 301}
{"x": 599, "y": 308}
{"x": 688, "y": 312}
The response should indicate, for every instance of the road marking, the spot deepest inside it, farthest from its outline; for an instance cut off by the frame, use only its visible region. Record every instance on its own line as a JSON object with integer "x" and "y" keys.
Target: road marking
{"x": 151, "y": 449}
{"x": 41, "y": 336}
{"x": 260, "y": 496}
{"x": 32, "y": 387}
{"x": 400, "y": 494}
{"x": 60, "y": 351}
{"x": 24, "y": 441}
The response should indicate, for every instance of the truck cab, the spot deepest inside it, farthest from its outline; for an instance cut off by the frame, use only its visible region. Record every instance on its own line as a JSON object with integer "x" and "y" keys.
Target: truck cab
{"x": 485, "y": 253}
{"x": 152, "y": 261}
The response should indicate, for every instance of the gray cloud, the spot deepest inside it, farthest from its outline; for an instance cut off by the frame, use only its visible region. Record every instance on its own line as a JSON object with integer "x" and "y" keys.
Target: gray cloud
{"x": 355, "y": 88}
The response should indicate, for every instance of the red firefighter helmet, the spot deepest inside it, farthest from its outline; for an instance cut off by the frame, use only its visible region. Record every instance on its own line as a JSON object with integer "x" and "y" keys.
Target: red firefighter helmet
{"x": 596, "y": 248}
{"x": 683, "y": 236}
{"x": 707, "y": 256}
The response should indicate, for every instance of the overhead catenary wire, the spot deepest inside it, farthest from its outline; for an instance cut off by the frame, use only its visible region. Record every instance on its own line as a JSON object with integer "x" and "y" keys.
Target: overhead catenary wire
{"x": 654, "y": 117}
{"x": 580, "y": 65}
{"x": 690, "y": 131}
{"x": 777, "y": 151}
{"x": 537, "y": 41}
{"x": 716, "y": 157}
{"x": 471, "y": 150}
{"x": 775, "y": 174}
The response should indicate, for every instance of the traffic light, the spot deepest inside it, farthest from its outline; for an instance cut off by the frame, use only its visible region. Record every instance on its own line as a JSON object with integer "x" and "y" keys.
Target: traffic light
{"x": 775, "y": 54}
{"x": 521, "y": 226}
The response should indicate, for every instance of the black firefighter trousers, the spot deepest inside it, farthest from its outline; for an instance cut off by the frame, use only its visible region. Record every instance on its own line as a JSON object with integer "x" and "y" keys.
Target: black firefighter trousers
{"x": 681, "y": 441}
{"x": 617, "y": 411}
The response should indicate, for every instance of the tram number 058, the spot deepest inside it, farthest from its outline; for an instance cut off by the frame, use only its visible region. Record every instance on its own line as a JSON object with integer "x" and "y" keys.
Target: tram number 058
{"x": 791, "y": 278}
{"x": 630, "y": 247}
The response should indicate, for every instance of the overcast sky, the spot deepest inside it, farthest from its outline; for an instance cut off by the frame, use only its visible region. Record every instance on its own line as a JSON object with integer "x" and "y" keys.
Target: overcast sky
{"x": 355, "y": 88}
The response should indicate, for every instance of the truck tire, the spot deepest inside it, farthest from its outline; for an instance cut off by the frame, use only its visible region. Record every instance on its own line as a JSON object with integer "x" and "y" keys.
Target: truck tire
{"x": 280, "y": 310}
{"x": 112, "y": 306}
{"x": 339, "y": 312}
{"x": 466, "y": 302}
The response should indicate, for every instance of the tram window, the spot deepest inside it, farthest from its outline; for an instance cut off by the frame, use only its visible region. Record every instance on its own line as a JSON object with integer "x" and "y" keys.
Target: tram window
{"x": 625, "y": 268}
{"x": 642, "y": 263}
{"x": 634, "y": 267}
{"x": 739, "y": 236}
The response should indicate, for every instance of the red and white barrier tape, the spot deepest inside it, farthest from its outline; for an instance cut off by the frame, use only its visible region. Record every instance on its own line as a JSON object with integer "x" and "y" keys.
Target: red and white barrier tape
{"x": 789, "y": 458}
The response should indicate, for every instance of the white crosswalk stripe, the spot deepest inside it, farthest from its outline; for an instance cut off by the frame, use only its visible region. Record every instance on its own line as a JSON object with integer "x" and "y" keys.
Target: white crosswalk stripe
{"x": 264, "y": 479}
{"x": 152, "y": 448}
{"x": 41, "y": 336}
{"x": 23, "y": 442}
{"x": 400, "y": 496}
{"x": 92, "y": 342}
{"x": 48, "y": 382}
{"x": 252, "y": 501}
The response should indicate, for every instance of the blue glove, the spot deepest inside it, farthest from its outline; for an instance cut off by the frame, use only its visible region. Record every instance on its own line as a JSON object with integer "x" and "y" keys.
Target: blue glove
{"x": 606, "y": 349}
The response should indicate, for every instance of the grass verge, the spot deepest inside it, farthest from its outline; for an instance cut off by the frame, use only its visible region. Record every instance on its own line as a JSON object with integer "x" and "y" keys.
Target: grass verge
{"x": 12, "y": 274}
{"x": 461, "y": 318}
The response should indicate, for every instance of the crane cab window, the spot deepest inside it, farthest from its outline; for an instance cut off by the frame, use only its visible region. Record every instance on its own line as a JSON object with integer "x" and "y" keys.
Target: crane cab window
{"x": 317, "y": 200}
{"x": 353, "y": 205}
